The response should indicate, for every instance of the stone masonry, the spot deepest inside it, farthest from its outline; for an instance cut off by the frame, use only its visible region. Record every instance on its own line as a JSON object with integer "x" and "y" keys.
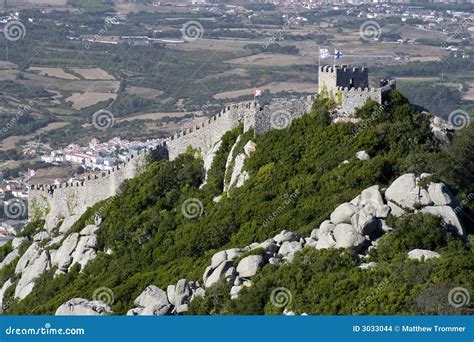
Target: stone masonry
{"x": 67, "y": 199}
{"x": 350, "y": 85}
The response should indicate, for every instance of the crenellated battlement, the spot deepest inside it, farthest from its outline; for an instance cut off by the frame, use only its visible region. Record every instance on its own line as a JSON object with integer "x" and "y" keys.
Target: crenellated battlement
{"x": 331, "y": 77}
{"x": 387, "y": 85}
{"x": 73, "y": 198}
{"x": 343, "y": 68}
{"x": 204, "y": 136}
{"x": 216, "y": 119}
{"x": 357, "y": 90}
{"x": 350, "y": 85}
{"x": 49, "y": 188}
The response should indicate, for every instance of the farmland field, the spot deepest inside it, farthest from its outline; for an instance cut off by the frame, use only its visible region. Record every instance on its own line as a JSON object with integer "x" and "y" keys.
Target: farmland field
{"x": 155, "y": 88}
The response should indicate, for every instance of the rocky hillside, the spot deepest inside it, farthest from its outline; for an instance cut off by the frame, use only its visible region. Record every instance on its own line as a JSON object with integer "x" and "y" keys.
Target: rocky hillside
{"x": 312, "y": 219}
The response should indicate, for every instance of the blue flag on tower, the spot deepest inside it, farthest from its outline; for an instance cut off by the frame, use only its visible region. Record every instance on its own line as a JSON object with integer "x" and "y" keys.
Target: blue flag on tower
{"x": 337, "y": 54}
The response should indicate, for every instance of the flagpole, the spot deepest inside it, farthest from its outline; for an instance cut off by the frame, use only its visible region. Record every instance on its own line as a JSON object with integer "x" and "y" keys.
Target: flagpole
{"x": 319, "y": 57}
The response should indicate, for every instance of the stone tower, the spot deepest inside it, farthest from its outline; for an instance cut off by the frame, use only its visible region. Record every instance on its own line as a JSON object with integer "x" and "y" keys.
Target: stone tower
{"x": 332, "y": 77}
{"x": 350, "y": 87}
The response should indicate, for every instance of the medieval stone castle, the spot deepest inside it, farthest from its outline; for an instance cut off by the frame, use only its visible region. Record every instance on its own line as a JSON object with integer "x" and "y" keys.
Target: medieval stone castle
{"x": 348, "y": 86}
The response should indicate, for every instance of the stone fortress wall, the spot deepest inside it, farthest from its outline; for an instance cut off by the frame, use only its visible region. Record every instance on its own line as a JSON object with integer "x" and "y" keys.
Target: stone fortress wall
{"x": 352, "y": 98}
{"x": 67, "y": 199}
{"x": 204, "y": 137}
{"x": 280, "y": 113}
{"x": 350, "y": 87}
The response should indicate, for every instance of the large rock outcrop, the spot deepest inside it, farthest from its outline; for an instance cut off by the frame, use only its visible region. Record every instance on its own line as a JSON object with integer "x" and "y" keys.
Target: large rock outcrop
{"x": 83, "y": 307}
{"x": 357, "y": 224}
{"x": 422, "y": 254}
{"x": 9, "y": 258}
{"x": 40, "y": 257}
{"x": 154, "y": 301}
{"x": 30, "y": 273}
{"x": 78, "y": 248}
{"x": 448, "y": 216}
{"x": 209, "y": 158}
{"x": 249, "y": 266}
{"x": 237, "y": 175}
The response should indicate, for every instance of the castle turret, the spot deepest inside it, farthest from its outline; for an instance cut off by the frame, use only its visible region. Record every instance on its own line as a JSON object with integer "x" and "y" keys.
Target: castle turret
{"x": 350, "y": 86}
{"x": 332, "y": 77}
